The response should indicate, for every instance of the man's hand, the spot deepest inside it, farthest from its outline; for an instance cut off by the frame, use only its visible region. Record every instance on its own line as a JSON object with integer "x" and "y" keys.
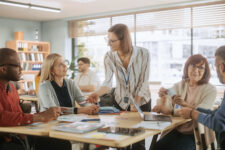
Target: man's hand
{"x": 187, "y": 113}
{"x": 48, "y": 115}
{"x": 90, "y": 110}
{"x": 93, "y": 98}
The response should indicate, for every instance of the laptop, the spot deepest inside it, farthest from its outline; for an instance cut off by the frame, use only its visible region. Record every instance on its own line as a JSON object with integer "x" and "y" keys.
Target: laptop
{"x": 150, "y": 117}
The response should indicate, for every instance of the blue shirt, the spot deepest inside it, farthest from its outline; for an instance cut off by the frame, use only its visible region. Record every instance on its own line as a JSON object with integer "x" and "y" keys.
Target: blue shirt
{"x": 214, "y": 119}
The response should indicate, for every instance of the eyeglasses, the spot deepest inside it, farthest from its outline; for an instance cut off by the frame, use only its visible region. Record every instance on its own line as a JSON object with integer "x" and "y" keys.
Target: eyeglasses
{"x": 12, "y": 65}
{"x": 200, "y": 68}
{"x": 110, "y": 41}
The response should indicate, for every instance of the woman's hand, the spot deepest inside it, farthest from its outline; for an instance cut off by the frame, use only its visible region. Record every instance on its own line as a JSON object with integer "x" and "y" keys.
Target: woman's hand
{"x": 161, "y": 109}
{"x": 177, "y": 100}
{"x": 133, "y": 108}
{"x": 163, "y": 92}
{"x": 93, "y": 98}
{"x": 90, "y": 110}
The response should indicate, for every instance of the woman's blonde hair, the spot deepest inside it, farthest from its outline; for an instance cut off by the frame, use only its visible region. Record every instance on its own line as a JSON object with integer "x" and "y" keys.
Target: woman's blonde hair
{"x": 46, "y": 70}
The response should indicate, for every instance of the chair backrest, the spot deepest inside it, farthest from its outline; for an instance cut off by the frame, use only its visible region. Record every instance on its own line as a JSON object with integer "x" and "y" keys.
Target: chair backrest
{"x": 204, "y": 137}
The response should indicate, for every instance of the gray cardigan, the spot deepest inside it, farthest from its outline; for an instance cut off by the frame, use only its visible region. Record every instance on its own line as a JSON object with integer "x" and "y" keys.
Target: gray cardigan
{"x": 48, "y": 97}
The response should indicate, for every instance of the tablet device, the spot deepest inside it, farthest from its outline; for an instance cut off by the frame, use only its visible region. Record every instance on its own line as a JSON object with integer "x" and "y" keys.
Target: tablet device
{"x": 122, "y": 131}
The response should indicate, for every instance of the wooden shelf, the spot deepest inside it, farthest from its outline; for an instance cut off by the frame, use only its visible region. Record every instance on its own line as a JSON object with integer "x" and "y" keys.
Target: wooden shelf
{"x": 34, "y": 52}
{"x": 25, "y": 80}
{"x": 30, "y": 71}
{"x": 33, "y": 62}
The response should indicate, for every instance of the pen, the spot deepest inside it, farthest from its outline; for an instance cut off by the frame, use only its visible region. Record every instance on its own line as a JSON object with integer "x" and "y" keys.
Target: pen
{"x": 85, "y": 120}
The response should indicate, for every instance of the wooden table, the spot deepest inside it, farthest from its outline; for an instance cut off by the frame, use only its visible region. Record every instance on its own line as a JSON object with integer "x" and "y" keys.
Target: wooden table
{"x": 33, "y": 99}
{"x": 127, "y": 119}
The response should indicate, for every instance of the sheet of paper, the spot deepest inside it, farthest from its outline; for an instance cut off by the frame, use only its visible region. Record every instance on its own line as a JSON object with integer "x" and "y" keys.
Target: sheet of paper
{"x": 152, "y": 125}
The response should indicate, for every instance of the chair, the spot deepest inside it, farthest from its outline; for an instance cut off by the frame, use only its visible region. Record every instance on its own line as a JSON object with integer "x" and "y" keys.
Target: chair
{"x": 204, "y": 137}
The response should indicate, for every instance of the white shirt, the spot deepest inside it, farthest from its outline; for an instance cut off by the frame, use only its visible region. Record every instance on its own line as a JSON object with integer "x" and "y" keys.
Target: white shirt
{"x": 138, "y": 84}
{"x": 89, "y": 78}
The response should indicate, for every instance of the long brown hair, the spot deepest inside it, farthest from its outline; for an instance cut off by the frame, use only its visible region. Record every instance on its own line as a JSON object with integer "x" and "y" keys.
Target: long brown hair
{"x": 123, "y": 34}
{"x": 193, "y": 60}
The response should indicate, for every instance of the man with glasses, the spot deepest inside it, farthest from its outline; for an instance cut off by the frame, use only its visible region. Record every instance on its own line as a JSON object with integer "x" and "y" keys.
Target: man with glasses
{"x": 10, "y": 111}
{"x": 213, "y": 119}
{"x": 86, "y": 79}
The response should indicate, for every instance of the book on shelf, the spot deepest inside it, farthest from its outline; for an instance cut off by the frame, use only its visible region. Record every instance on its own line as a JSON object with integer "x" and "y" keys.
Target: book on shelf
{"x": 41, "y": 57}
{"x": 32, "y": 57}
{"x": 28, "y": 85}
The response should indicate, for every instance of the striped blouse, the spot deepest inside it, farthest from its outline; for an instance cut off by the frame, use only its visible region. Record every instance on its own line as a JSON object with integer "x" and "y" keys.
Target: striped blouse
{"x": 138, "y": 72}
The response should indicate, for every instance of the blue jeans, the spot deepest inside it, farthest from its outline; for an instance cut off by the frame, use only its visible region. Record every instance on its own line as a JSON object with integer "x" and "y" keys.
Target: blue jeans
{"x": 176, "y": 141}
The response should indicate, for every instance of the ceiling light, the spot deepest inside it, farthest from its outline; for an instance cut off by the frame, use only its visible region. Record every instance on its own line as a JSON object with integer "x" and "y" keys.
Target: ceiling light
{"x": 31, "y": 6}
{"x": 45, "y": 8}
{"x": 14, "y": 4}
{"x": 83, "y": 1}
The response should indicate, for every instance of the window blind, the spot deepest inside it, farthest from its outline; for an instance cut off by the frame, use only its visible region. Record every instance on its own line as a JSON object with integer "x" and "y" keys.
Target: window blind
{"x": 211, "y": 15}
{"x": 92, "y": 27}
{"x": 168, "y": 19}
{"x": 126, "y": 19}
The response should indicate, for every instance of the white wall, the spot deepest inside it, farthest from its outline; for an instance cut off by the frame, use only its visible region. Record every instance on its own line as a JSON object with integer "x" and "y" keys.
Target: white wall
{"x": 56, "y": 32}
{"x": 9, "y": 26}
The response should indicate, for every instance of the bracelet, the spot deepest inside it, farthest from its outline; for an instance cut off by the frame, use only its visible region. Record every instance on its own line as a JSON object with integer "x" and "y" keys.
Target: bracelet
{"x": 191, "y": 113}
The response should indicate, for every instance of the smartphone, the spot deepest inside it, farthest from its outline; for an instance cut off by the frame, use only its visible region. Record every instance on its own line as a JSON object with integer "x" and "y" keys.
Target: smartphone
{"x": 122, "y": 131}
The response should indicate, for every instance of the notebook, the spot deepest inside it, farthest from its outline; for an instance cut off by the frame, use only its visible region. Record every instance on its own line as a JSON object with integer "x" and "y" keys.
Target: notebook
{"x": 108, "y": 109}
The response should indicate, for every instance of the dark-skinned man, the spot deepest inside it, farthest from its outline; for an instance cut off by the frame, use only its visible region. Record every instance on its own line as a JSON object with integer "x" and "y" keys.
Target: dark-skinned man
{"x": 11, "y": 113}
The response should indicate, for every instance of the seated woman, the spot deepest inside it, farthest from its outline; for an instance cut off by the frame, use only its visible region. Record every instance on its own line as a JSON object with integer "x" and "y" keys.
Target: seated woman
{"x": 55, "y": 90}
{"x": 193, "y": 91}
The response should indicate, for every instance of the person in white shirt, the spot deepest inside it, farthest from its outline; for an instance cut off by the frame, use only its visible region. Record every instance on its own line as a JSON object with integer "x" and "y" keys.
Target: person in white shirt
{"x": 87, "y": 80}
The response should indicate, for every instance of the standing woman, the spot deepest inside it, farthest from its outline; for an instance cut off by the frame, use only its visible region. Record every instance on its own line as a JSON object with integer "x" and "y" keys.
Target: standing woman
{"x": 131, "y": 68}
{"x": 56, "y": 90}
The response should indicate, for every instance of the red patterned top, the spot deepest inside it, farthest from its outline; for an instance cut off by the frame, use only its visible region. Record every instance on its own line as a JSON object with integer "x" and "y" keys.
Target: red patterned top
{"x": 10, "y": 112}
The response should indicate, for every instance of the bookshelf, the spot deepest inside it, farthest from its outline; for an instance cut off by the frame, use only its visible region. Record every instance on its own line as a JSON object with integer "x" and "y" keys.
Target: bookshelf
{"x": 32, "y": 54}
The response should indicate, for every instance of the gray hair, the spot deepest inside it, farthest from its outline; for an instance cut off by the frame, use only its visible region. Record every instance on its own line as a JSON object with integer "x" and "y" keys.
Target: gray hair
{"x": 221, "y": 52}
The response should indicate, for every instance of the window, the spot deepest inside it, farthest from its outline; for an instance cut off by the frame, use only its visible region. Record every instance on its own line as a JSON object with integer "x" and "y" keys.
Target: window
{"x": 171, "y": 36}
{"x": 209, "y": 33}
